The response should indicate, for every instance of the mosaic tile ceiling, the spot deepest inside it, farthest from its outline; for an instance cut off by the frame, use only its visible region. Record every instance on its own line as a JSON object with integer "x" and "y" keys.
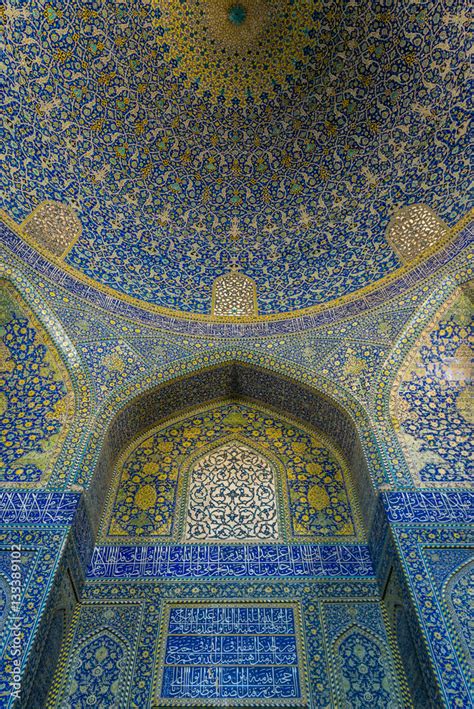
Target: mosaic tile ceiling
{"x": 277, "y": 138}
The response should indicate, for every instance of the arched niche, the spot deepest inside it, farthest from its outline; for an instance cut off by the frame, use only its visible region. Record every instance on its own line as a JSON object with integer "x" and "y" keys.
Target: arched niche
{"x": 231, "y": 471}
{"x": 230, "y": 380}
{"x": 365, "y": 671}
{"x": 97, "y": 668}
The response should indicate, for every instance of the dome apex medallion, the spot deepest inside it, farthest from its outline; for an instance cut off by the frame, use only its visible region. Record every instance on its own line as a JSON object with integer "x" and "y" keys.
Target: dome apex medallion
{"x": 235, "y": 51}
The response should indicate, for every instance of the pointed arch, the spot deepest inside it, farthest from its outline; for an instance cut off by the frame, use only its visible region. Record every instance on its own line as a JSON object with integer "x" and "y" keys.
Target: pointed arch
{"x": 307, "y": 480}
{"x": 215, "y": 376}
{"x": 97, "y": 667}
{"x": 265, "y": 453}
{"x": 231, "y": 496}
{"x": 364, "y": 668}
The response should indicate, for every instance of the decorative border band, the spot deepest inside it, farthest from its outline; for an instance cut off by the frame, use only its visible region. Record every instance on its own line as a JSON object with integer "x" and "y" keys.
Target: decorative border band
{"x": 37, "y": 507}
{"x": 432, "y": 506}
{"x": 351, "y": 304}
{"x": 238, "y": 561}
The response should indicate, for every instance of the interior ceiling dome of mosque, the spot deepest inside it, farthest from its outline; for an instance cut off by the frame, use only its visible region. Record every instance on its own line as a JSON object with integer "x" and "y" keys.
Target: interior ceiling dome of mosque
{"x": 273, "y": 137}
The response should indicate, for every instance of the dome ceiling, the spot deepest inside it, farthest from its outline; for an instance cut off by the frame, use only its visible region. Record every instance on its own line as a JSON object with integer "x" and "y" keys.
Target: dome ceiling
{"x": 273, "y": 137}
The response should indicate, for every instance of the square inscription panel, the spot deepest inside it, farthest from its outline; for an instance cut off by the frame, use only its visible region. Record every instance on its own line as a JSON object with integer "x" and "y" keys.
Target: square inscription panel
{"x": 231, "y": 654}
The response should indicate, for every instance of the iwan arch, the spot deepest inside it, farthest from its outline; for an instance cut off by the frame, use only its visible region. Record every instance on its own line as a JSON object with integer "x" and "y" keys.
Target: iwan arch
{"x": 306, "y": 469}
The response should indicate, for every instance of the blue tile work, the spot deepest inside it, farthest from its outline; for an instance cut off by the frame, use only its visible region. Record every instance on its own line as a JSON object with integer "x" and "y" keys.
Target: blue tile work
{"x": 20, "y": 508}
{"x": 49, "y": 657}
{"x": 147, "y": 142}
{"x": 53, "y": 277}
{"x": 40, "y": 554}
{"x": 453, "y": 506}
{"x": 102, "y": 602}
{"x": 423, "y": 392}
{"x": 421, "y": 534}
{"x": 231, "y": 561}
{"x": 428, "y": 532}
{"x": 411, "y": 661}
{"x": 452, "y": 572}
{"x": 50, "y": 534}
{"x": 231, "y": 652}
{"x": 156, "y": 492}
{"x": 36, "y": 399}
{"x": 362, "y": 667}
{"x": 11, "y": 593}
{"x": 414, "y": 547}
{"x": 404, "y": 628}
{"x": 103, "y": 658}
{"x": 432, "y": 396}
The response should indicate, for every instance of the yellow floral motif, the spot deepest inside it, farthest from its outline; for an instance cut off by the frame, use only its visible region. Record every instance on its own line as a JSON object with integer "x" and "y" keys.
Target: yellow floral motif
{"x": 318, "y": 497}
{"x": 36, "y": 394}
{"x": 193, "y": 432}
{"x": 235, "y": 61}
{"x": 314, "y": 469}
{"x": 151, "y": 468}
{"x": 6, "y": 361}
{"x": 431, "y": 400}
{"x": 153, "y": 478}
{"x": 114, "y": 363}
{"x": 145, "y": 497}
{"x": 464, "y": 404}
{"x": 298, "y": 448}
{"x": 235, "y": 420}
{"x": 354, "y": 365}
{"x": 165, "y": 446}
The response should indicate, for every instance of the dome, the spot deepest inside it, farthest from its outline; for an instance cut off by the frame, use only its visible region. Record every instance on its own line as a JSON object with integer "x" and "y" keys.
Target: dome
{"x": 274, "y": 138}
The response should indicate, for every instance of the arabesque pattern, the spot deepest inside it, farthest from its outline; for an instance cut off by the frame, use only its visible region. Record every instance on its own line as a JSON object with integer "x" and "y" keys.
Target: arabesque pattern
{"x": 231, "y": 497}
{"x": 432, "y": 397}
{"x": 283, "y": 145}
{"x": 36, "y": 398}
{"x": 312, "y": 486}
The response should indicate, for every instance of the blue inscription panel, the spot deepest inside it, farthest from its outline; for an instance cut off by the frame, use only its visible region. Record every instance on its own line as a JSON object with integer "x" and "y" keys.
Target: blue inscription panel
{"x": 247, "y": 654}
{"x": 227, "y": 561}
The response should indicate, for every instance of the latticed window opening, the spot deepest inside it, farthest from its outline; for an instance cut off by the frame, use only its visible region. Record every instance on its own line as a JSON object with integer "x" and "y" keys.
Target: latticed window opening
{"x": 413, "y": 229}
{"x": 53, "y": 226}
{"x": 232, "y": 496}
{"x": 234, "y": 294}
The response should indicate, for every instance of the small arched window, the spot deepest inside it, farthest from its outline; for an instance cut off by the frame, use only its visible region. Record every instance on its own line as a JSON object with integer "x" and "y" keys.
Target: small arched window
{"x": 234, "y": 294}
{"x": 413, "y": 229}
{"x": 232, "y": 496}
{"x": 53, "y": 226}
